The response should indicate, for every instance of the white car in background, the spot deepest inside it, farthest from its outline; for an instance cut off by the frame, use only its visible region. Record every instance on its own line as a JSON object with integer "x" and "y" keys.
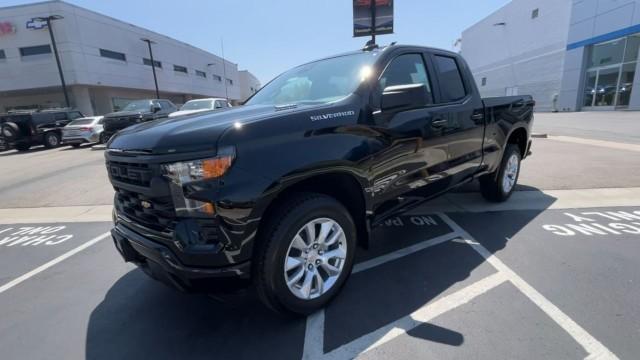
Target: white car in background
{"x": 201, "y": 105}
{"x": 84, "y": 130}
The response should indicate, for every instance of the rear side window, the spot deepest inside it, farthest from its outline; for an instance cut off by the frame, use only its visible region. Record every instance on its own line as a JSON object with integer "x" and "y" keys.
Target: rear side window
{"x": 165, "y": 105}
{"x": 406, "y": 69}
{"x": 451, "y": 84}
{"x": 61, "y": 116}
{"x": 75, "y": 115}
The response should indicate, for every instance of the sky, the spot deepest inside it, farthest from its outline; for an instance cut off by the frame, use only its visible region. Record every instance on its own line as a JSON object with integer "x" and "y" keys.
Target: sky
{"x": 268, "y": 37}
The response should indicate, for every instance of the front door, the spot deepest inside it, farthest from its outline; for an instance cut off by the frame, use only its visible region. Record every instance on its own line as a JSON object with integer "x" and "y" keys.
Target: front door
{"x": 414, "y": 156}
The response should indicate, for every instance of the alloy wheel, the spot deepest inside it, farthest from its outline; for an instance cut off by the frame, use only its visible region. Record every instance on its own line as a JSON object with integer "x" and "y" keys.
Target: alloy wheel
{"x": 315, "y": 258}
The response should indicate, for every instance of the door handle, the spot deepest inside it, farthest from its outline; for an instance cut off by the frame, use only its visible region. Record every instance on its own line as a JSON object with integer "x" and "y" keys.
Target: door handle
{"x": 439, "y": 123}
{"x": 477, "y": 117}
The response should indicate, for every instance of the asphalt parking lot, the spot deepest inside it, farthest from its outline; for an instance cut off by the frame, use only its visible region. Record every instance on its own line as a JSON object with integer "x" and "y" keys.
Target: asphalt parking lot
{"x": 551, "y": 274}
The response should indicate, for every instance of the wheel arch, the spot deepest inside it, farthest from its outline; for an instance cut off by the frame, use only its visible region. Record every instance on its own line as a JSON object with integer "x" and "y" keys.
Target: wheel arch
{"x": 341, "y": 185}
{"x": 519, "y": 136}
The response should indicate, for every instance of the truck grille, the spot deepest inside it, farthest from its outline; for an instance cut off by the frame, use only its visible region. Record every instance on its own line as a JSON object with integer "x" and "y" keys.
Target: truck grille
{"x": 130, "y": 173}
{"x": 154, "y": 213}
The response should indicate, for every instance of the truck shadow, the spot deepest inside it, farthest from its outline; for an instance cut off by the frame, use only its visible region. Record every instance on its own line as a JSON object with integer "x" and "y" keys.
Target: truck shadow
{"x": 140, "y": 318}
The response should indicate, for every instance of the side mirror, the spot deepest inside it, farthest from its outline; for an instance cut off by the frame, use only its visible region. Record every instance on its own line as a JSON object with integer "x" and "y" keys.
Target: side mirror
{"x": 404, "y": 97}
{"x": 155, "y": 108}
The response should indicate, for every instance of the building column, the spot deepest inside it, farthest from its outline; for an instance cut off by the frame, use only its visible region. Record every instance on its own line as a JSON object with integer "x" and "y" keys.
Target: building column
{"x": 571, "y": 88}
{"x": 82, "y": 100}
{"x": 634, "y": 102}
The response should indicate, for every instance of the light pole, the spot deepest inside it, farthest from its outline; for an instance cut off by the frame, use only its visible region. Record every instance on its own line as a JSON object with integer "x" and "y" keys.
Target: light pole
{"x": 224, "y": 71}
{"x": 48, "y": 20}
{"x": 153, "y": 65}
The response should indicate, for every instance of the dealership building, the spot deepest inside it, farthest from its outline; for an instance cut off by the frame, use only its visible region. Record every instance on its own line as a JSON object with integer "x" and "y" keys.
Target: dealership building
{"x": 571, "y": 55}
{"x": 104, "y": 61}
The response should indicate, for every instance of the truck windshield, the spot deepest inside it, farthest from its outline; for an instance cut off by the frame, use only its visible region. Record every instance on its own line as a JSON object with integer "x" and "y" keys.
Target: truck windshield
{"x": 317, "y": 82}
{"x": 138, "y": 105}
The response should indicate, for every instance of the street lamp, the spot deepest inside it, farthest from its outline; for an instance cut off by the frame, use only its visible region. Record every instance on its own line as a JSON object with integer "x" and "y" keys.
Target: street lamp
{"x": 153, "y": 65}
{"x": 48, "y": 20}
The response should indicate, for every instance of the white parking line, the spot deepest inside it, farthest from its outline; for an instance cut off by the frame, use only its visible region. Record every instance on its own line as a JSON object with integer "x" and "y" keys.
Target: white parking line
{"x": 51, "y": 263}
{"x": 415, "y": 319}
{"x": 593, "y": 347}
{"x": 314, "y": 335}
{"x": 366, "y": 265}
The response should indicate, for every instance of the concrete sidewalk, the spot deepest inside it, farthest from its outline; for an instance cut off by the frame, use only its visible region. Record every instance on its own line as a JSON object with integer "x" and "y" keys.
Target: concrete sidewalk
{"x": 455, "y": 202}
{"x": 618, "y": 126}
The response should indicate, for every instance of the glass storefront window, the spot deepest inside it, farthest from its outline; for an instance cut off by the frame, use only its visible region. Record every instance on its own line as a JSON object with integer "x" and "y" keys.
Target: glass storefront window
{"x": 607, "y": 54}
{"x": 633, "y": 44}
{"x": 626, "y": 84}
{"x": 610, "y": 74}
{"x": 606, "y": 88}
{"x": 590, "y": 88}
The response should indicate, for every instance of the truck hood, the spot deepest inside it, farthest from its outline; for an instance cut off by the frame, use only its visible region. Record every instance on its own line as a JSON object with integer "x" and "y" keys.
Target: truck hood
{"x": 198, "y": 132}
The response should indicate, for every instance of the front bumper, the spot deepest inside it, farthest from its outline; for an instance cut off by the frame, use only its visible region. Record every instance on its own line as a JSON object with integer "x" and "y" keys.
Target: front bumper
{"x": 159, "y": 262}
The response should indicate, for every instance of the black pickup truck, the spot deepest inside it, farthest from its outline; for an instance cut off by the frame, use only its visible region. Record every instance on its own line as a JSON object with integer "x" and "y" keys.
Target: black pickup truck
{"x": 281, "y": 192}
{"x": 136, "y": 112}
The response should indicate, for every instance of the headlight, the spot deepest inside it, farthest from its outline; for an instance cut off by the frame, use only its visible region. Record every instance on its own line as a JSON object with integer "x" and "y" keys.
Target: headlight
{"x": 183, "y": 173}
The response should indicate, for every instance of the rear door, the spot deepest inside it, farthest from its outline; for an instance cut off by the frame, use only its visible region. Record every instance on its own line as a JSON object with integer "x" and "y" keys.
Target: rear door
{"x": 460, "y": 115}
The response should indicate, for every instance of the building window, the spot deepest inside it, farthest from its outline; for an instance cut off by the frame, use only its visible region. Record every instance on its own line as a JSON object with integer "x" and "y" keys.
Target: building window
{"x": 535, "y": 13}
{"x": 113, "y": 55}
{"x": 147, "y": 62}
{"x": 230, "y": 81}
{"x": 178, "y": 68}
{"x": 201, "y": 73}
{"x": 2, "y": 54}
{"x": 35, "y": 50}
{"x": 484, "y": 81}
{"x": 217, "y": 77}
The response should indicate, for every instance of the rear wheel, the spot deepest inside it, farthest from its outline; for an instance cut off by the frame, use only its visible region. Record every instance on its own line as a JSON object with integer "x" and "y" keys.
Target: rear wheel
{"x": 305, "y": 255}
{"x": 51, "y": 140}
{"x": 498, "y": 186}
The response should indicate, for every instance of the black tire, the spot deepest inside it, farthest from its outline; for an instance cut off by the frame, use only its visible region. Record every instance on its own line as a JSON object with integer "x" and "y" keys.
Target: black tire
{"x": 491, "y": 185}
{"x": 10, "y": 131}
{"x": 103, "y": 138}
{"x": 22, "y": 146}
{"x": 51, "y": 140}
{"x": 75, "y": 145}
{"x": 282, "y": 226}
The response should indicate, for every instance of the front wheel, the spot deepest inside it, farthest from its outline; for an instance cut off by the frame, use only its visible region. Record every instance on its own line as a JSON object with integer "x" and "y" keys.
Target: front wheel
{"x": 498, "y": 186}
{"x": 305, "y": 255}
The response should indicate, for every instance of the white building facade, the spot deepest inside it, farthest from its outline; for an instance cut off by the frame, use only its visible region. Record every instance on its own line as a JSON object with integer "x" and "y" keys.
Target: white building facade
{"x": 570, "y": 55}
{"x": 104, "y": 61}
{"x": 249, "y": 84}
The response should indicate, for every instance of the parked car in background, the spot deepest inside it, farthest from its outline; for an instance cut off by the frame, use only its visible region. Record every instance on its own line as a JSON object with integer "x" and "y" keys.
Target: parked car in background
{"x": 201, "y": 105}
{"x": 84, "y": 130}
{"x": 279, "y": 192}
{"x": 136, "y": 112}
{"x": 23, "y": 129}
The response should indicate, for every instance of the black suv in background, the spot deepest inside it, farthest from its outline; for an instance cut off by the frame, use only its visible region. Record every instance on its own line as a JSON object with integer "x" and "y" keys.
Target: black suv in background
{"x": 23, "y": 129}
{"x": 135, "y": 112}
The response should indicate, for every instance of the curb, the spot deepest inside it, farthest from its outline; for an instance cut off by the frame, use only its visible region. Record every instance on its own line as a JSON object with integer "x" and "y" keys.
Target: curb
{"x": 539, "y": 135}
{"x": 98, "y": 147}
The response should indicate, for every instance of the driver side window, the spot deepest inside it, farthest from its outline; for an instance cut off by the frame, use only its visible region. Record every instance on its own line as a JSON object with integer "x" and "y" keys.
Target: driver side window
{"x": 405, "y": 70}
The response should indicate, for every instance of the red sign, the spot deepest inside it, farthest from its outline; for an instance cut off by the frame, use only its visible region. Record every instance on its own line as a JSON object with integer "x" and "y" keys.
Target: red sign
{"x": 7, "y": 28}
